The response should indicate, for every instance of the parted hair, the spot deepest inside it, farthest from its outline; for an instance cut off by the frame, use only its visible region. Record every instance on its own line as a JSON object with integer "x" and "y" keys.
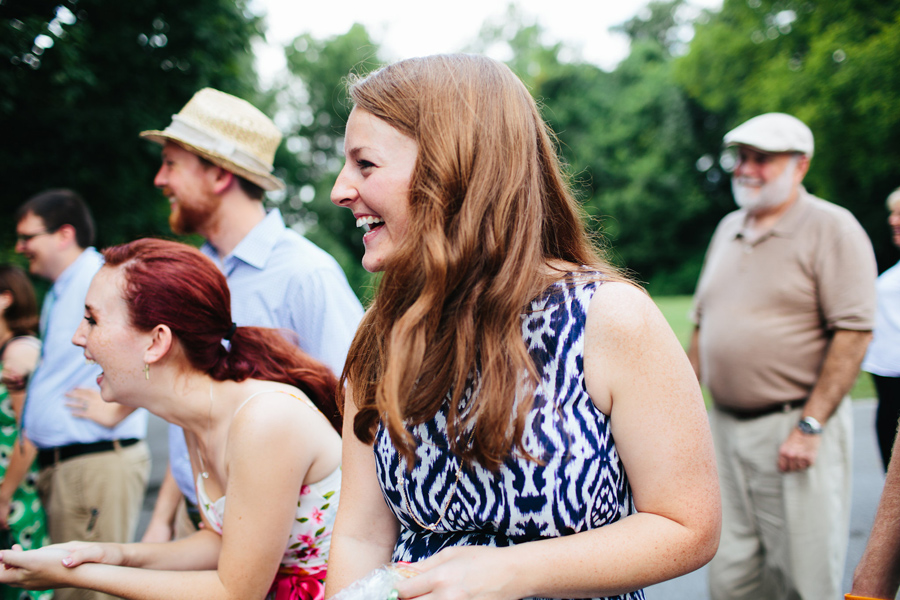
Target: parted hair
{"x": 490, "y": 218}
{"x": 173, "y": 284}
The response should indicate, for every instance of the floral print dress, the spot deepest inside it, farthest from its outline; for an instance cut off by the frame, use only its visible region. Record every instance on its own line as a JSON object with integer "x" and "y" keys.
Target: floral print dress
{"x": 27, "y": 522}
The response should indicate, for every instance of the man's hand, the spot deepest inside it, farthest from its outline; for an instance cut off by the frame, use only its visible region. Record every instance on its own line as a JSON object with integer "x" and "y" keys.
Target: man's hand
{"x": 798, "y": 452}
{"x": 85, "y": 403}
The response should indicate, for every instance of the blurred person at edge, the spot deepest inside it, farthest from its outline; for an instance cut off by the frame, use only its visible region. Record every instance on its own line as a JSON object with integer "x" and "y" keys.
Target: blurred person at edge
{"x": 22, "y": 518}
{"x": 783, "y": 310}
{"x": 883, "y": 358}
{"x": 520, "y": 420}
{"x": 877, "y": 576}
{"x": 217, "y": 155}
{"x": 157, "y": 320}
{"x": 92, "y": 478}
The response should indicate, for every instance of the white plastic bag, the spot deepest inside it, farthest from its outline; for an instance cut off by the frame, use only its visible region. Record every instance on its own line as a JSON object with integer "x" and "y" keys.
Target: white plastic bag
{"x": 377, "y": 585}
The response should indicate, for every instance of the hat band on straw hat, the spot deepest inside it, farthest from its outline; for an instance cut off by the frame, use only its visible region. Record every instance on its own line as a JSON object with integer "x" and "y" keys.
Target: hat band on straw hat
{"x": 182, "y": 129}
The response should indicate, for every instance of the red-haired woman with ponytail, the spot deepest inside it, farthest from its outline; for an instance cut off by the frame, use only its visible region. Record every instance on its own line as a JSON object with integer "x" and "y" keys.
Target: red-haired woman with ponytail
{"x": 261, "y": 425}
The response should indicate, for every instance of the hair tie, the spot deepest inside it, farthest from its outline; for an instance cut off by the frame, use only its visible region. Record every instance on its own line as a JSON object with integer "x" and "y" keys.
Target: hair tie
{"x": 231, "y": 330}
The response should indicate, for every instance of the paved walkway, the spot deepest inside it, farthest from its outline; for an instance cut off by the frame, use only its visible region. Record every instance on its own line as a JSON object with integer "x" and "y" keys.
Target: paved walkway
{"x": 868, "y": 479}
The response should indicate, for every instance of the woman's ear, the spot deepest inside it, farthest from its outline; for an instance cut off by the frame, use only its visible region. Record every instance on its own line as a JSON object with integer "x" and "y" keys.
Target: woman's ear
{"x": 6, "y": 300}
{"x": 160, "y": 344}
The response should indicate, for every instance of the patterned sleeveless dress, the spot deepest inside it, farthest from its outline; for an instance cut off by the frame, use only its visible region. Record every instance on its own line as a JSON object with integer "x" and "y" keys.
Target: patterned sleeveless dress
{"x": 581, "y": 485}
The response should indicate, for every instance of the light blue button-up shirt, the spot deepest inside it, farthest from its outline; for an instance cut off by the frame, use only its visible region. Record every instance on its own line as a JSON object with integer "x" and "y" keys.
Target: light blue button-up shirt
{"x": 47, "y": 421}
{"x": 278, "y": 278}
{"x": 883, "y": 356}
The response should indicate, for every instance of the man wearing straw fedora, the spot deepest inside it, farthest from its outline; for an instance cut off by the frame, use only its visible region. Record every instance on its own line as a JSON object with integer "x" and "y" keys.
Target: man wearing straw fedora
{"x": 216, "y": 167}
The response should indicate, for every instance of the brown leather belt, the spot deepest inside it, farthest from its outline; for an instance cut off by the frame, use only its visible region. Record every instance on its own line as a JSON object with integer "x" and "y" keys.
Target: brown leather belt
{"x": 745, "y": 414}
{"x": 51, "y": 456}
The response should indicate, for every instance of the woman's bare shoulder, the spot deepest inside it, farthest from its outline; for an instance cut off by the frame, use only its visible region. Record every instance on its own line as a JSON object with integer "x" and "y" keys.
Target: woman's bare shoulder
{"x": 622, "y": 308}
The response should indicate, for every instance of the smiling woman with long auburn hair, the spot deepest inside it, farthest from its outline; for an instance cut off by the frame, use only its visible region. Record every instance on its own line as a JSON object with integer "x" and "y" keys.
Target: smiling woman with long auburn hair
{"x": 520, "y": 421}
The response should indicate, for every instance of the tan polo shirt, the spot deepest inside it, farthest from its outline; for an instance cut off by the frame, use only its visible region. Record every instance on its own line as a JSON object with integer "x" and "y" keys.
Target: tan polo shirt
{"x": 767, "y": 309}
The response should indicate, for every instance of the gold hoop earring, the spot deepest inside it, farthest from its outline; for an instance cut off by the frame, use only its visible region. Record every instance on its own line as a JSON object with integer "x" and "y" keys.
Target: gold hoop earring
{"x": 146, "y": 371}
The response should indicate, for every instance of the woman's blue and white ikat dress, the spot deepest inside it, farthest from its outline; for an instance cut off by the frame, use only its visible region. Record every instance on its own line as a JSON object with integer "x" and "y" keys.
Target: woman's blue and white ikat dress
{"x": 581, "y": 484}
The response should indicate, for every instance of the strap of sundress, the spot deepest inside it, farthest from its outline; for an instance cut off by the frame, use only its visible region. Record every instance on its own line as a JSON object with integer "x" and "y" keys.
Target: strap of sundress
{"x": 308, "y": 402}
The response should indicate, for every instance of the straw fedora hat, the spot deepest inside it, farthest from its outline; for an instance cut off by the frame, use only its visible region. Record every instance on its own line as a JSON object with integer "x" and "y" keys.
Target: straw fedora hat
{"x": 228, "y": 132}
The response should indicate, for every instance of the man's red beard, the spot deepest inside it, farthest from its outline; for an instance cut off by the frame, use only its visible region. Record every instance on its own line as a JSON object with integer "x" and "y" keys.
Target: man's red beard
{"x": 189, "y": 218}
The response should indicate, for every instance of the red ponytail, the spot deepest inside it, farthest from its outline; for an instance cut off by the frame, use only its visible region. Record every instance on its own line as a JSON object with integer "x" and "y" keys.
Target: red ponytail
{"x": 172, "y": 284}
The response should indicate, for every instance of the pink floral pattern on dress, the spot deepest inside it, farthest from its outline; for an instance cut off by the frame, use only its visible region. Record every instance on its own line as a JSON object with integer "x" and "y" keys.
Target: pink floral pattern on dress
{"x": 303, "y": 565}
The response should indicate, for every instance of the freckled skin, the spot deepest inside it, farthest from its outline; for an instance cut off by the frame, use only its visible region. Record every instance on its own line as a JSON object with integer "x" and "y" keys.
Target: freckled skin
{"x": 375, "y": 182}
{"x": 110, "y": 340}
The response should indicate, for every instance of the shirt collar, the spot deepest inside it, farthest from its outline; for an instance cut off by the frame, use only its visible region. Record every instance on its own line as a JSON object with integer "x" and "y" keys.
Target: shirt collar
{"x": 70, "y": 273}
{"x": 789, "y": 221}
{"x": 257, "y": 246}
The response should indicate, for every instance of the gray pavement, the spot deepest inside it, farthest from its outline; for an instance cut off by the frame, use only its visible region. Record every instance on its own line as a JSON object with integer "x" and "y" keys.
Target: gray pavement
{"x": 868, "y": 480}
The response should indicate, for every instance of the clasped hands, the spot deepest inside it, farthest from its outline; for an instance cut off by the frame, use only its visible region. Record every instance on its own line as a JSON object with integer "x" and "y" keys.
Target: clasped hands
{"x": 51, "y": 566}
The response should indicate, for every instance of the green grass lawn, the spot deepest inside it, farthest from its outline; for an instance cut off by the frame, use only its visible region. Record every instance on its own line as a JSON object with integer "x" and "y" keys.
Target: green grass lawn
{"x": 676, "y": 309}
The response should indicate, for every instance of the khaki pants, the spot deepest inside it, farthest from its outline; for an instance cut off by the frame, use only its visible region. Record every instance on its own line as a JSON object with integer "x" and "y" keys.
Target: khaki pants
{"x": 184, "y": 527}
{"x": 784, "y": 535}
{"x": 96, "y": 498}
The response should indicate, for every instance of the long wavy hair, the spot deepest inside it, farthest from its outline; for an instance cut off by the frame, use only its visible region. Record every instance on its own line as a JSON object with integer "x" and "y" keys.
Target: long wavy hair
{"x": 492, "y": 222}
{"x": 176, "y": 285}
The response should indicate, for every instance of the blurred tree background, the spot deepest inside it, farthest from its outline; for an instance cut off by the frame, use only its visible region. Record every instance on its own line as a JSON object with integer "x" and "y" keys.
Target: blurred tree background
{"x": 82, "y": 77}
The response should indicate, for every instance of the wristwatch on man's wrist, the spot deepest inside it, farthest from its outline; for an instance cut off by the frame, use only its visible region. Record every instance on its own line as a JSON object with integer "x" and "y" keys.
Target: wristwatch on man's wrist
{"x": 810, "y": 426}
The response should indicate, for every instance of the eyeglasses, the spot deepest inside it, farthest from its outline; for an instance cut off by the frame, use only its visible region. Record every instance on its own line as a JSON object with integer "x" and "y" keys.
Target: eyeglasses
{"x": 24, "y": 238}
{"x": 734, "y": 156}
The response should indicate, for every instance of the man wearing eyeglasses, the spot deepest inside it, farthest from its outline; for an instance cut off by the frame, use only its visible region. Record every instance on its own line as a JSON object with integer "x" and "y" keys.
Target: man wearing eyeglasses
{"x": 783, "y": 311}
{"x": 92, "y": 478}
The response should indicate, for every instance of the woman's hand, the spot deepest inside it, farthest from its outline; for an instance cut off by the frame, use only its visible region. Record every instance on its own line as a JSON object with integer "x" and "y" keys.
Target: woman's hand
{"x": 50, "y": 566}
{"x": 462, "y": 573}
{"x": 39, "y": 569}
{"x": 91, "y": 552}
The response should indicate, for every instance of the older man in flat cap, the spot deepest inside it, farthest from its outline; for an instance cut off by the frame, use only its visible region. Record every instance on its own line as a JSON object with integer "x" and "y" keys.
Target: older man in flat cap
{"x": 783, "y": 311}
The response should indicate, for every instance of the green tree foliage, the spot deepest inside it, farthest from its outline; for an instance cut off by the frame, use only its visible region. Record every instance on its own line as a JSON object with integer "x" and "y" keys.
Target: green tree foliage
{"x": 643, "y": 146}
{"x": 81, "y": 78}
{"x": 628, "y": 138}
{"x": 831, "y": 64}
{"x": 315, "y": 104}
